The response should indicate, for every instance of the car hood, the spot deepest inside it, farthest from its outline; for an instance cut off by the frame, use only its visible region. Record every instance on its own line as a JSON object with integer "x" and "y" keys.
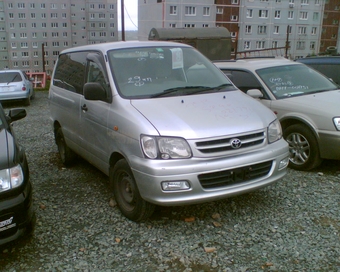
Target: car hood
{"x": 319, "y": 107}
{"x": 205, "y": 115}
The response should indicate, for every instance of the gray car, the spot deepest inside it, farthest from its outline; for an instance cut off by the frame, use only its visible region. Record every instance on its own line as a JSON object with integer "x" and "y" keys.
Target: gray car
{"x": 306, "y": 102}
{"x": 163, "y": 123}
{"x": 15, "y": 85}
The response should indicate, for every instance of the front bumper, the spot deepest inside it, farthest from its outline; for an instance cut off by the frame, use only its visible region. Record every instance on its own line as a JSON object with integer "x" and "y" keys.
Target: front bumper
{"x": 149, "y": 175}
{"x": 16, "y": 214}
{"x": 329, "y": 143}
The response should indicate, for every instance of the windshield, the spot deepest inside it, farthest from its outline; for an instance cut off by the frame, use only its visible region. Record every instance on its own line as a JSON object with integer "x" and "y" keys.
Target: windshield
{"x": 291, "y": 80}
{"x": 164, "y": 71}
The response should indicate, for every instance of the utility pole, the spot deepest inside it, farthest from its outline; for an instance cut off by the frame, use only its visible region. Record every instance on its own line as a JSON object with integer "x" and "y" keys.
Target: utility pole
{"x": 122, "y": 17}
{"x": 287, "y": 43}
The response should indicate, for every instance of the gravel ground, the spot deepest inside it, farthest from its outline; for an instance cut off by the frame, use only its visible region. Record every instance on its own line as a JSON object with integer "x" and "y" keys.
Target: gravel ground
{"x": 293, "y": 225}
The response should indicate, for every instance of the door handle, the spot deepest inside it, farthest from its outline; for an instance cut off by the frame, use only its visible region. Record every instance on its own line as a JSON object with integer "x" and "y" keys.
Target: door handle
{"x": 84, "y": 107}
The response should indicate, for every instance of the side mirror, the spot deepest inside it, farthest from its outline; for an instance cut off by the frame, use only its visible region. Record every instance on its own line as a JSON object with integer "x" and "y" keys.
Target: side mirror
{"x": 95, "y": 91}
{"x": 16, "y": 114}
{"x": 255, "y": 93}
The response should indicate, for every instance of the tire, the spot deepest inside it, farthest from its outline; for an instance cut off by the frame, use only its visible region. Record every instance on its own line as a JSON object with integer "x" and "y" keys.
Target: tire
{"x": 27, "y": 101}
{"x": 303, "y": 148}
{"x": 66, "y": 154}
{"x": 126, "y": 193}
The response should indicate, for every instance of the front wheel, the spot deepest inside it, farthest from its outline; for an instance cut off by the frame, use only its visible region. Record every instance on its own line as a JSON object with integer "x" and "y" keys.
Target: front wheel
{"x": 126, "y": 193}
{"x": 66, "y": 154}
{"x": 303, "y": 147}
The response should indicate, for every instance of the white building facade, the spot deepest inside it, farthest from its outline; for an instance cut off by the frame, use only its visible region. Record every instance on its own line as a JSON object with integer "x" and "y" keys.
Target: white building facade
{"x": 32, "y": 33}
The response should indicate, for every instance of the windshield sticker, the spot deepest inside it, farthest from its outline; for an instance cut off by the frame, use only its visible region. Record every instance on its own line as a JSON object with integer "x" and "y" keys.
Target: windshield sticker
{"x": 279, "y": 84}
{"x": 177, "y": 58}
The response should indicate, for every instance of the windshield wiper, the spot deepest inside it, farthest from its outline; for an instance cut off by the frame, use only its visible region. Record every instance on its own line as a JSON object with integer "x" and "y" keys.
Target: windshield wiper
{"x": 188, "y": 90}
{"x": 12, "y": 79}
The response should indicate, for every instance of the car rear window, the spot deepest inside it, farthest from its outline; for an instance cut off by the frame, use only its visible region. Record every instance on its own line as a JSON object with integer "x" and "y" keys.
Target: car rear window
{"x": 10, "y": 77}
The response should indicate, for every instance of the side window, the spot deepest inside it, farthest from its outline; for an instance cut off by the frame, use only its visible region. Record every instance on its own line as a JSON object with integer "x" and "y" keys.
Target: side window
{"x": 244, "y": 81}
{"x": 95, "y": 71}
{"x": 70, "y": 72}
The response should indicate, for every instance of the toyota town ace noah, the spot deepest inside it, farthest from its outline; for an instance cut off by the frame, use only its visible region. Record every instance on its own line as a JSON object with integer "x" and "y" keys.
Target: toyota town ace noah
{"x": 166, "y": 125}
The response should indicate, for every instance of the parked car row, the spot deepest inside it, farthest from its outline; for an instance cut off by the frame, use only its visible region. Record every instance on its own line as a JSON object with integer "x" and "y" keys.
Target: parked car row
{"x": 169, "y": 127}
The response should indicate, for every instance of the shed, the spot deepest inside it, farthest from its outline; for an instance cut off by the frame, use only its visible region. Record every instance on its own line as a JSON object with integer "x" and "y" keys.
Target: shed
{"x": 213, "y": 42}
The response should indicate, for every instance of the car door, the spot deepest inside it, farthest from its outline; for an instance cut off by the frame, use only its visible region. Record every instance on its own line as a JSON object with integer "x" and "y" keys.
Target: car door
{"x": 94, "y": 114}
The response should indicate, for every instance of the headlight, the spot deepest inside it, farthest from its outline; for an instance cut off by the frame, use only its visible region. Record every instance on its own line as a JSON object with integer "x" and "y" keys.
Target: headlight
{"x": 165, "y": 147}
{"x": 336, "y": 121}
{"x": 11, "y": 178}
{"x": 274, "y": 131}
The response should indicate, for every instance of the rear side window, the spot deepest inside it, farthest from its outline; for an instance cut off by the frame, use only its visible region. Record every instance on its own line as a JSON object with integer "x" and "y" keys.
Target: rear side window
{"x": 10, "y": 77}
{"x": 244, "y": 81}
{"x": 70, "y": 71}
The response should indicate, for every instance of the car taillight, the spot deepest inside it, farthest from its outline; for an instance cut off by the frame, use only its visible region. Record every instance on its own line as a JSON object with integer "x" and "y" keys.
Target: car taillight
{"x": 23, "y": 88}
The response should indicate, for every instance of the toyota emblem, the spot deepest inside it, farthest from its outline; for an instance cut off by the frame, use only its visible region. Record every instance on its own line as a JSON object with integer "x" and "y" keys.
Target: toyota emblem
{"x": 235, "y": 143}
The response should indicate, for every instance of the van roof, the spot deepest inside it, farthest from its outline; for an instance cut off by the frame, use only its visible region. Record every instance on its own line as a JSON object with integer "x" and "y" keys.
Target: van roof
{"x": 104, "y": 47}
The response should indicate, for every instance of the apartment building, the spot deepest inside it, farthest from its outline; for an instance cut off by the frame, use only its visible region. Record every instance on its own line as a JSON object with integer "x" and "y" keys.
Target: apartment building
{"x": 330, "y": 34}
{"x": 270, "y": 24}
{"x": 32, "y": 33}
{"x": 174, "y": 13}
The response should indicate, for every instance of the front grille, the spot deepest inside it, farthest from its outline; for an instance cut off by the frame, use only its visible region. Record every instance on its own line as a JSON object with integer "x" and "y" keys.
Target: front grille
{"x": 224, "y": 144}
{"x": 234, "y": 176}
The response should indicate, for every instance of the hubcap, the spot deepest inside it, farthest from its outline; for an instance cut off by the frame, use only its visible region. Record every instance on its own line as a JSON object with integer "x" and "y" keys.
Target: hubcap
{"x": 299, "y": 148}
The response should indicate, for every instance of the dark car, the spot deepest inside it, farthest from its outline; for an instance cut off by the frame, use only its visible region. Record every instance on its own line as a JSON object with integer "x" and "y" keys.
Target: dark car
{"x": 327, "y": 65}
{"x": 16, "y": 209}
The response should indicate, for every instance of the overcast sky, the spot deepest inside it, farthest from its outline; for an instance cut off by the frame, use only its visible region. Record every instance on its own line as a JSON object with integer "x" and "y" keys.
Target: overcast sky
{"x": 130, "y": 15}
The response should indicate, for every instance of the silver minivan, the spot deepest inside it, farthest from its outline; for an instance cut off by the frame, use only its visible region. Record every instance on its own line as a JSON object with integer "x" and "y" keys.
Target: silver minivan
{"x": 163, "y": 123}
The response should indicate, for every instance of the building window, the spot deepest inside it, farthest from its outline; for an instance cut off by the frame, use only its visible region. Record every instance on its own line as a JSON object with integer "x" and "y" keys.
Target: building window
{"x": 64, "y": 25}
{"x": 275, "y": 44}
{"x": 10, "y": 5}
{"x": 277, "y": 14}
{"x": 44, "y": 34}
{"x": 35, "y": 54}
{"x": 21, "y": 5}
{"x": 25, "y": 54}
{"x": 91, "y": 6}
{"x": 63, "y": 6}
{"x": 55, "y": 44}
{"x": 313, "y": 32}
{"x": 112, "y": 25}
{"x": 303, "y": 15}
{"x": 262, "y": 29}
{"x": 234, "y": 18}
{"x": 43, "y": 15}
{"x": 172, "y": 25}
{"x": 302, "y": 30}
{"x": 32, "y": 15}
{"x": 22, "y": 16}
{"x": 13, "y": 45}
{"x": 24, "y": 45}
{"x": 249, "y": 13}
{"x": 55, "y": 34}
{"x": 189, "y": 25}
{"x": 14, "y": 55}
{"x": 263, "y": 13}
{"x": 304, "y": 2}
{"x": 276, "y": 29}
{"x": 316, "y": 16}
{"x": 205, "y": 25}
{"x": 206, "y": 11}
{"x": 63, "y": 15}
{"x": 53, "y": 6}
{"x": 260, "y": 44}
{"x": 11, "y": 15}
{"x": 42, "y": 5}
{"x": 101, "y": 15}
{"x": 11, "y": 25}
{"x": 54, "y": 25}
{"x": 219, "y": 10}
{"x": 34, "y": 34}
{"x": 190, "y": 11}
{"x": 290, "y": 14}
{"x": 233, "y": 34}
{"x": 36, "y": 63}
{"x": 22, "y": 25}
{"x": 234, "y": 2}
{"x": 248, "y": 29}
{"x": 300, "y": 45}
{"x": 15, "y": 64}
{"x": 54, "y": 15}
{"x": 112, "y": 6}
{"x": 247, "y": 45}
{"x": 312, "y": 45}
{"x": 101, "y": 6}
{"x": 173, "y": 10}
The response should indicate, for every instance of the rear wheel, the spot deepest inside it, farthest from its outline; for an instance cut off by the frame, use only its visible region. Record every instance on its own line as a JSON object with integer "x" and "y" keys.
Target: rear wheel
{"x": 66, "y": 154}
{"x": 303, "y": 147}
{"x": 126, "y": 193}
